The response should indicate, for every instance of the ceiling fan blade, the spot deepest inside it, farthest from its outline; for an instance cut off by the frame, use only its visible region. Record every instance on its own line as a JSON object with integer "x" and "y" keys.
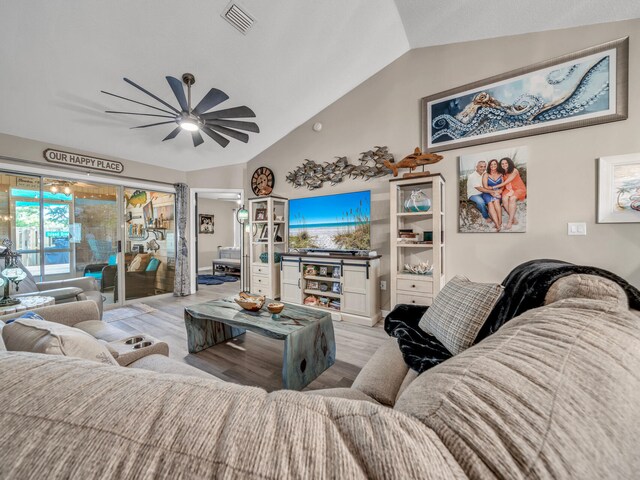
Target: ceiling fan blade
{"x": 235, "y": 112}
{"x": 173, "y": 133}
{"x": 150, "y": 94}
{"x": 135, "y": 101}
{"x": 223, "y": 142}
{"x": 210, "y": 100}
{"x": 143, "y": 114}
{"x": 154, "y": 124}
{"x": 178, "y": 91}
{"x": 248, "y": 126}
{"x": 197, "y": 138}
{"x": 243, "y": 137}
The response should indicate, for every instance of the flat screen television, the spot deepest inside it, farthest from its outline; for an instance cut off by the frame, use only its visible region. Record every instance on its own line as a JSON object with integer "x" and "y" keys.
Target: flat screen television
{"x": 331, "y": 222}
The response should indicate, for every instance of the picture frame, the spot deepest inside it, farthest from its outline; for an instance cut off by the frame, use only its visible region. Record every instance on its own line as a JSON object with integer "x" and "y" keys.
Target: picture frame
{"x": 323, "y": 271}
{"x": 497, "y": 204}
{"x": 619, "y": 189}
{"x": 205, "y": 223}
{"x": 264, "y": 234}
{"x": 580, "y": 89}
{"x": 313, "y": 285}
{"x": 335, "y": 288}
{"x": 261, "y": 214}
{"x": 147, "y": 214}
{"x": 276, "y": 231}
{"x": 336, "y": 272}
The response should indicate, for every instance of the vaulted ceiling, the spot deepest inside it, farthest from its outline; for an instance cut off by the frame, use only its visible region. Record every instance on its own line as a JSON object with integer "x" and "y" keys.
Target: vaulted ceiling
{"x": 297, "y": 58}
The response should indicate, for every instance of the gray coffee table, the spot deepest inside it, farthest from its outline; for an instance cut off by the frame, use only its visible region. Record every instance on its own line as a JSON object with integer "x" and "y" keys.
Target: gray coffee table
{"x": 309, "y": 342}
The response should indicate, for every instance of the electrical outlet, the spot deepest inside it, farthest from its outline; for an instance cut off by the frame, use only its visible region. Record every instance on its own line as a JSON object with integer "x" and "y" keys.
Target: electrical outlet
{"x": 383, "y": 285}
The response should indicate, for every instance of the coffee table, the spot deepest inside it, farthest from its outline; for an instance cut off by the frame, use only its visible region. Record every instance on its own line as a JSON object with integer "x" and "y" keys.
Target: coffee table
{"x": 309, "y": 342}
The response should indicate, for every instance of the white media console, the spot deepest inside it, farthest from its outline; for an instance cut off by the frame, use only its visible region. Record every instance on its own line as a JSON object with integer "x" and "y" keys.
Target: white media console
{"x": 345, "y": 285}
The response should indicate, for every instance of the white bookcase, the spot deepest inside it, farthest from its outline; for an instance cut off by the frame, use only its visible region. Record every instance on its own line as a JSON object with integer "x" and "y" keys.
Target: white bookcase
{"x": 343, "y": 285}
{"x": 406, "y": 287}
{"x": 268, "y": 217}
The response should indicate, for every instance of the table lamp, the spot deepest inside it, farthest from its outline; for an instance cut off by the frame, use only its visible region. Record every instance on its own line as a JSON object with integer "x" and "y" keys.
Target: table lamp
{"x": 12, "y": 273}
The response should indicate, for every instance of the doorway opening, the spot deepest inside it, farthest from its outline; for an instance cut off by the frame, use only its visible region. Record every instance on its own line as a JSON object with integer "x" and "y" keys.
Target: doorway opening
{"x": 217, "y": 249}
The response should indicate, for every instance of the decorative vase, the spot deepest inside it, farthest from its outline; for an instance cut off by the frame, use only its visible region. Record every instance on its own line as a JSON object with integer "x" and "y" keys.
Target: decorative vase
{"x": 417, "y": 202}
{"x": 264, "y": 257}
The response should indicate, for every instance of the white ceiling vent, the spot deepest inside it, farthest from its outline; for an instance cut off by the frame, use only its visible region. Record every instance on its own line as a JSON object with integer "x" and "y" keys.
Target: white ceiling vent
{"x": 238, "y": 17}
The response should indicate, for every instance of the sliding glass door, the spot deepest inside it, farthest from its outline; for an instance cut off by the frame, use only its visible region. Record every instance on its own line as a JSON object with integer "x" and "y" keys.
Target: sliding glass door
{"x": 81, "y": 232}
{"x": 149, "y": 247}
{"x": 69, "y": 229}
{"x": 20, "y": 217}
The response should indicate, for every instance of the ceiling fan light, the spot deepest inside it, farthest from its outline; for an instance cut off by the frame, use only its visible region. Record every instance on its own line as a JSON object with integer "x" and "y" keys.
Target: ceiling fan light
{"x": 189, "y": 125}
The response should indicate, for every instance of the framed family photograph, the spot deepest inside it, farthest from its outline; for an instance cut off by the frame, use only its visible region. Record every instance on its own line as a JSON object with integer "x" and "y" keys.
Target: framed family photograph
{"x": 261, "y": 214}
{"x": 619, "y": 189}
{"x": 580, "y": 89}
{"x": 493, "y": 191}
{"x": 206, "y": 223}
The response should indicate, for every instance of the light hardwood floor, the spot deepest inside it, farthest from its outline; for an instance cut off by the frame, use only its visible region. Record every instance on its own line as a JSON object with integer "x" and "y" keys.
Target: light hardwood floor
{"x": 250, "y": 359}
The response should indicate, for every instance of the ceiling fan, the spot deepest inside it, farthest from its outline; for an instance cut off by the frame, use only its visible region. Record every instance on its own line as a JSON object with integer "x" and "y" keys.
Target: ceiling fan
{"x": 195, "y": 120}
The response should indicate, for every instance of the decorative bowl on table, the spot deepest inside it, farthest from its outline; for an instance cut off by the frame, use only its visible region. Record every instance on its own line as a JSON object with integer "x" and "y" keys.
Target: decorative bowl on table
{"x": 275, "y": 309}
{"x": 252, "y": 303}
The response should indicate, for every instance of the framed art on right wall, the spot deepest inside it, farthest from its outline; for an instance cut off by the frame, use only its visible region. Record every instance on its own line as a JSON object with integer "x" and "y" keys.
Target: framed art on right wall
{"x": 619, "y": 189}
{"x": 579, "y": 89}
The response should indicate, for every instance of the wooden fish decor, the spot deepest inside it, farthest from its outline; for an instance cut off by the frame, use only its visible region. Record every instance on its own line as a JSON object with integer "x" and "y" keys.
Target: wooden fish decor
{"x": 413, "y": 161}
{"x": 313, "y": 175}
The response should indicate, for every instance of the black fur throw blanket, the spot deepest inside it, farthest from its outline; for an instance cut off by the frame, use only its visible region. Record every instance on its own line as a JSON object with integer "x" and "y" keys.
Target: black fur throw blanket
{"x": 524, "y": 288}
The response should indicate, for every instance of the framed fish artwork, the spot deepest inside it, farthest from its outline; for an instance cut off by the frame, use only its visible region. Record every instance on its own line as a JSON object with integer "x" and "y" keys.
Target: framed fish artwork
{"x": 580, "y": 89}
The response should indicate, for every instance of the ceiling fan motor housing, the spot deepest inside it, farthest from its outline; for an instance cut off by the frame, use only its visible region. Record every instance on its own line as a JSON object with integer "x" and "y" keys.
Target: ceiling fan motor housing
{"x": 188, "y": 79}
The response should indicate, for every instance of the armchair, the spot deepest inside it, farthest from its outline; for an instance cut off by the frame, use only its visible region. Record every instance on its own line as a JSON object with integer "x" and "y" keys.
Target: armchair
{"x": 64, "y": 291}
{"x": 104, "y": 273}
{"x": 141, "y": 282}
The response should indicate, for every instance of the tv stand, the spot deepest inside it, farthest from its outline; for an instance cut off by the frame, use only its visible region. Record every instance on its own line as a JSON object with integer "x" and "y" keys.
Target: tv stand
{"x": 346, "y": 285}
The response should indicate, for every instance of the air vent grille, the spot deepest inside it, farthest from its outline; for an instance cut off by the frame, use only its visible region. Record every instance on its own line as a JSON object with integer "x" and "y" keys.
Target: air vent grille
{"x": 238, "y": 17}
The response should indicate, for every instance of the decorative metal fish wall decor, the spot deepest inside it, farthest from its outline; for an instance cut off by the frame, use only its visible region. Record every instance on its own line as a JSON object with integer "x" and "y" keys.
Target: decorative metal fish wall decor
{"x": 313, "y": 175}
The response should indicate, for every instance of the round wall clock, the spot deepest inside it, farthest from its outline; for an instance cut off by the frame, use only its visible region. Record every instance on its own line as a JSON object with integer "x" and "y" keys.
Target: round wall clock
{"x": 262, "y": 181}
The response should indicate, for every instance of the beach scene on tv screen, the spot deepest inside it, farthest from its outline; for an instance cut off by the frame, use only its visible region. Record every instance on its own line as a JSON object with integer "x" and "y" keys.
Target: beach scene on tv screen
{"x": 336, "y": 222}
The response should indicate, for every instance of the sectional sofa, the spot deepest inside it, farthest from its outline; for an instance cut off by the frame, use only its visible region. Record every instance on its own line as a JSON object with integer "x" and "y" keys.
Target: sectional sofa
{"x": 555, "y": 393}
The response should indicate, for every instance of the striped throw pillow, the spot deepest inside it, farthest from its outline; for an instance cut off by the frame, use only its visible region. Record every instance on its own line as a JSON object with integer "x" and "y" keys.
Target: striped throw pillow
{"x": 459, "y": 311}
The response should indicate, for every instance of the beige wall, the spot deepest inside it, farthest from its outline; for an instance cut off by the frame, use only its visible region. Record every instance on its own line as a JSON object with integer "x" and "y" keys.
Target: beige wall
{"x": 31, "y": 150}
{"x": 208, "y": 244}
{"x": 229, "y": 176}
{"x": 385, "y": 109}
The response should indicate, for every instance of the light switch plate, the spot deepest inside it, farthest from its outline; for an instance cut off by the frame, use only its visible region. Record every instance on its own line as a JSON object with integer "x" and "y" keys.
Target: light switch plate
{"x": 577, "y": 228}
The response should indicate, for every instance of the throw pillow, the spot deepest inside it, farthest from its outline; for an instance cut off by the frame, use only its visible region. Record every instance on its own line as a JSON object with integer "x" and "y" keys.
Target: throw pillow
{"x": 459, "y": 311}
{"x": 154, "y": 263}
{"x": 42, "y": 336}
{"x": 139, "y": 262}
{"x": 31, "y": 315}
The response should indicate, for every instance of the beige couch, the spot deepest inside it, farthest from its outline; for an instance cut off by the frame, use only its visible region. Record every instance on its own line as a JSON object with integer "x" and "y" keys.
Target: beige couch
{"x": 554, "y": 394}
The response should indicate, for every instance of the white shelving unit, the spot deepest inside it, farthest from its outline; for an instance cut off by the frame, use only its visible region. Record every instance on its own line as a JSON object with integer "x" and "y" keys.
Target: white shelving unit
{"x": 350, "y": 293}
{"x": 407, "y": 287}
{"x": 268, "y": 237}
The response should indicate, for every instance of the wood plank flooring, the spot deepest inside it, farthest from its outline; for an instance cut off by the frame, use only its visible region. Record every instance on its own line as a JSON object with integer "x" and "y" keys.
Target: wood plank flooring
{"x": 250, "y": 359}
